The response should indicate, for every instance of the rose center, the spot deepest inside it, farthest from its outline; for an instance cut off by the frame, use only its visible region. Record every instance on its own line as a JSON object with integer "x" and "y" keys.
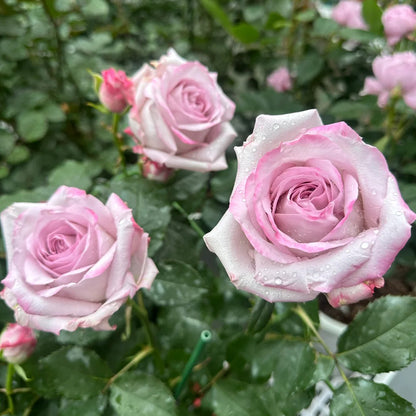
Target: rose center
{"x": 58, "y": 243}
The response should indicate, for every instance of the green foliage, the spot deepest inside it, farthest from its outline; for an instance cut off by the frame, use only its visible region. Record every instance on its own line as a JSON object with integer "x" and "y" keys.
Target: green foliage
{"x": 381, "y": 337}
{"x": 139, "y": 394}
{"x": 363, "y": 397}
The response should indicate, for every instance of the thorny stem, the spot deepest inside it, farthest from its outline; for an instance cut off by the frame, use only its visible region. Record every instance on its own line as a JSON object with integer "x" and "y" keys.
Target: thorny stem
{"x": 308, "y": 322}
{"x": 141, "y": 311}
{"x": 135, "y": 360}
{"x": 118, "y": 141}
{"x": 192, "y": 223}
{"x": 9, "y": 390}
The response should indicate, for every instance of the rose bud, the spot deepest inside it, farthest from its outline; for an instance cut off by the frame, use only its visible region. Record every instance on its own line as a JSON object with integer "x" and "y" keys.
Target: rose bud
{"x": 17, "y": 343}
{"x": 116, "y": 90}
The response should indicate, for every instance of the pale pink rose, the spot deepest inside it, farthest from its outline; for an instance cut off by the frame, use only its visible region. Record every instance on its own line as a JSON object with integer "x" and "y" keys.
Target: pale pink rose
{"x": 398, "y": 21}
{"x": 349, "y": 13}
{"x": 116, "y": 90}
{"x": 280, "y": 80}
{"x": 155, "y": 171}
{"x": 17, "y": 343}
{"x": 313, "y": 210}
{"x": 180, "y": 115}
{"x": 72, "y": 261}
{"x": 394, "y": 74}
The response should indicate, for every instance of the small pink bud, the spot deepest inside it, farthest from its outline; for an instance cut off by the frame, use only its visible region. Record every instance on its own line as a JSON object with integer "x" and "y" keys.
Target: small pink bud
{"x": 116, "y": 90}
{"x": 155, "y": 171}
{"x": 280, "y": 80}
{"x": 17, "y": 343}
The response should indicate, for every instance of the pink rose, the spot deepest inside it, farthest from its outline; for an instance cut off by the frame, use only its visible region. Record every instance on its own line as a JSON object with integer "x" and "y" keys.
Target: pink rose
{"x": 314, "y": 209}
{"x": 180, "y": 114}
{"x": 398, "y": 21}
{"x": 280, "y": 80}
{"x": 17, "y": 343}
{"x": 349, "y": 13}
{"x": 394, "y": 74}
{"x": 116, "y": 90}
{"x": 72, "y": 261}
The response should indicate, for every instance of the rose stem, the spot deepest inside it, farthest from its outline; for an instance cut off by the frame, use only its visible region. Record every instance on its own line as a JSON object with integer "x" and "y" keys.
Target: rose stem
{"x": 204, "y": 338}
{"x": 9, "y": 379}
{"x": 135, "y": 360}
{"x": 141, "y": 311}
{"x": 192, "y": 223}
{"x": 308, "y": 322}
{"x": 118, "y": 141}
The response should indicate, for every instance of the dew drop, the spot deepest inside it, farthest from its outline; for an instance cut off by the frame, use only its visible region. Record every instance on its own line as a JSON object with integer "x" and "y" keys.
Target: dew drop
{"x": 365, "y": 245}
{"x": 315, "y": 274}
{"x": 278, "y": 281}
{"x": 373, "y": 192}
{"x": 254, "y": 150}
{"x": 276, "y": 126}
{"x": 398, "y": 213}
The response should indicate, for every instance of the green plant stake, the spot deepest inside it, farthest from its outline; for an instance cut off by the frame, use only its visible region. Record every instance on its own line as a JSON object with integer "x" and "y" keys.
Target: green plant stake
{"x": 204, "y": 338}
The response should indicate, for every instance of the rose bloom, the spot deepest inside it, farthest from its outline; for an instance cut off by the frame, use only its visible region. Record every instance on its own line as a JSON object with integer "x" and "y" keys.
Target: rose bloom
{"x": 394, "y": 74}
{"x": 280, "y": 80}
{"x": 17, "y": 343}
{"x": 116, "y": 90}
{"x": 72, "y": 261}
{"x": 314, "y": 209}
{"x": 155, "y": 171}
{"x": 398, "y": 21}
{"x": 349, "y": 13}
{"x": 180, "y": 115}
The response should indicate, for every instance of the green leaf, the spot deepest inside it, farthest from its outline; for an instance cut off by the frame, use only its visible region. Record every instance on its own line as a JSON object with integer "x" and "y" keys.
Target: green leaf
{"x": 276, "y": 21}
{"x": 372, "y": 15}
{"x": 148, "y": 200}
{"x": 139, "y": 394}
{"x": 71, "y": 372}
{"x": 95, "y": 8}
{"x": 83, "y": 337}
{"x": 222, "y": 183}
{"x": 245, "y": 33}
{"x": 235, "y": 398}
{"x": 54, "y": 112}
{"x": 4, "y": 171}
{"x": 7, "y": 140}
{"x": 94, "y": 406}
{"x": 382, "y": 337}
{"x": 32, "y": 125}
{"x": 366, "y": 398}
{"x": 291, "y": 362}
{"x": 177, "y": 284}
{"x": 18, "y": 155}
{"x": 348, "y": 109}
{"x": 324, "y": 368}
{"x": 309, "y": 66}
{"x": 73, "y": 173}
{"x": 212, "y": 7}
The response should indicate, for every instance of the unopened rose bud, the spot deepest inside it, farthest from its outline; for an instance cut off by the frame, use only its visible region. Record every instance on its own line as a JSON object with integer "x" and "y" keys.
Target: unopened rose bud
{"x": 17, "y": 343}
{"x": 116, "y": 90}
{"x": 155, "y": 171}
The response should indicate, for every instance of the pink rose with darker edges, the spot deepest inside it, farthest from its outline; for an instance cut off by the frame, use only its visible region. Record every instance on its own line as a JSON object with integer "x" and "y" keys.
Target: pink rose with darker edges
{"x": 314, "y": 209}
{"x": 116, "y": 90}
{"x": 280, "y": 80}
{"x": 72, "y": 261}
{"x": 17, "y": 343}
{"x": 180, "y": 115}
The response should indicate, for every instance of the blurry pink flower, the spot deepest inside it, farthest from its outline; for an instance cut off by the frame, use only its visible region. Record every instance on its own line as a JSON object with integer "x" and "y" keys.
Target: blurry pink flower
{"x": 398, "y": 21}
{"x": 116, "y": 90}
{"x": 180, "y": 115}
{"x": 73, "y": 261}
{"x": 313, "y": 210}
{"x": 349, "y": 13}
{"x": 394, "y": 74}
{"x": 155, "y": 171}
{"x": 280, "y": 80}
{"x": 17, "y": 343}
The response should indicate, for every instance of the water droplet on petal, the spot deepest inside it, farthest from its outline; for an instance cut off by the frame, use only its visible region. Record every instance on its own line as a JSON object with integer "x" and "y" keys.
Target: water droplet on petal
{"x": 278, "y": 281}
{"x": 398, "y": 213}
{"x": 276, "y": 126}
